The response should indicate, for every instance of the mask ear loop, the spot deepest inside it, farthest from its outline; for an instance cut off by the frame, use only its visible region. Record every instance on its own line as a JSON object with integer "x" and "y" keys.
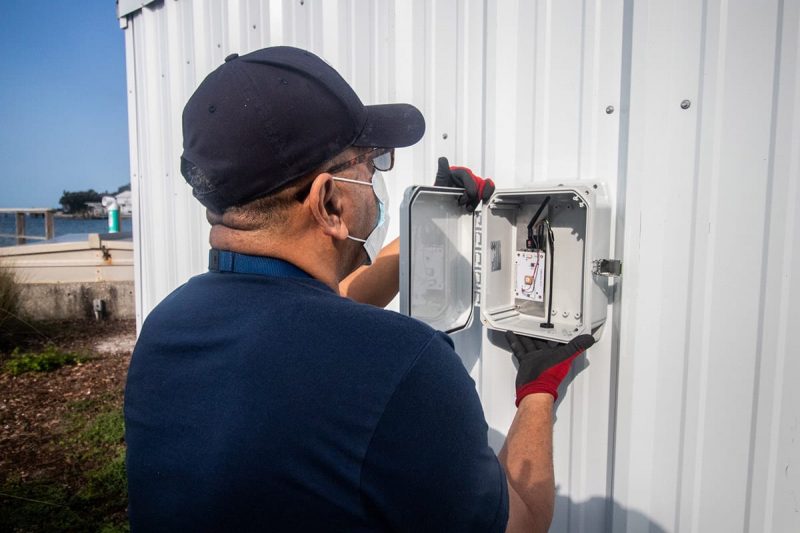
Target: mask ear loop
{"x": 348, "y": 180}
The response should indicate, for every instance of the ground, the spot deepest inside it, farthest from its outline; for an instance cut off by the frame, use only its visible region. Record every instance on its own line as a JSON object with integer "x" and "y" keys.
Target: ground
{"x": 61, "y": 431}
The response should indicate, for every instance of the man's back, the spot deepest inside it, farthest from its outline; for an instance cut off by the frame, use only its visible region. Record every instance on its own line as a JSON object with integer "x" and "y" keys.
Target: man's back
{"x": 257, "y": 402}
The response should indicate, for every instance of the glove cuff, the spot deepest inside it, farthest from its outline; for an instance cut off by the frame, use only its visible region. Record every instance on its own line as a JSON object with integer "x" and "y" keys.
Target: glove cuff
{"x": 534, "y": 387}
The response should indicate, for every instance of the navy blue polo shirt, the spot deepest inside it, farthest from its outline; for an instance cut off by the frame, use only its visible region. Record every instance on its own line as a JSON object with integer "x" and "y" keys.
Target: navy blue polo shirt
{"x": 265, "y": 401}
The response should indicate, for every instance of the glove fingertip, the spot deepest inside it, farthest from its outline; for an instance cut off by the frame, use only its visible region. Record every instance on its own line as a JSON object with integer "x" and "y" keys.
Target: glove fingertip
{"x": 513, "y": 341}
{"x": 488, "y": 190}
{"x": 583, "y": 342}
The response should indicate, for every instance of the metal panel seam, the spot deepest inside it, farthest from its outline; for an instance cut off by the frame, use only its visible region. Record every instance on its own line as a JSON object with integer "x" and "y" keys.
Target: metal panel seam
{"x": 619, "y": 245}
{"x": 708, "y": 272}
{"x": 133, "y": 141}
{"x": 484, "y": 91}
{"x": 765, "y": 244}
{"x": 790, "y": 227}
{"x": 690, "y": 261}
{"x": 582, "y": 85}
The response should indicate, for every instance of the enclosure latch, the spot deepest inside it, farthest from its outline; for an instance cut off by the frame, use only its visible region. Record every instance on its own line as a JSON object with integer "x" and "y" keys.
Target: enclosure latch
{"x": 610, "y": 268}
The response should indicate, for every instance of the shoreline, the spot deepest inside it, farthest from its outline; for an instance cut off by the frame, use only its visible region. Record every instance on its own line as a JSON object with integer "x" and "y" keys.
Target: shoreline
{"x": 58, "y": 214}
{"x": 86, "y": 217}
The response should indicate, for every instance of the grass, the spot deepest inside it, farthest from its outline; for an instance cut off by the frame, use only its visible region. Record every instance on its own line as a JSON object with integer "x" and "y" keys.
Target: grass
{"x": 96, "y": 498}
{"x": 9, "y": 304}
{"x": 9, "y": 294}
{"x": 47, "y": 360}
{"x": 67, "y": 474}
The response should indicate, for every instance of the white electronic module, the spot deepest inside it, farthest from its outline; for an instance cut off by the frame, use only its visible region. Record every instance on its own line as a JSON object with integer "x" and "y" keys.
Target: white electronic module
{"x": 529, "y": 265}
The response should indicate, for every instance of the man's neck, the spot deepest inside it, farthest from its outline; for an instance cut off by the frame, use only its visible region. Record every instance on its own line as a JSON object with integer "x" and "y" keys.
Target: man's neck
{"x": 296, "y": 250}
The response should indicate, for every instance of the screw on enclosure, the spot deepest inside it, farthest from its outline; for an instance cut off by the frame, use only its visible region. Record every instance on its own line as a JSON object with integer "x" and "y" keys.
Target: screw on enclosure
{"x": 444, "y": 135}
{"x": 565, "y": 314}
{"x": 686, "y": 104}
{"x": 609, "y": 109}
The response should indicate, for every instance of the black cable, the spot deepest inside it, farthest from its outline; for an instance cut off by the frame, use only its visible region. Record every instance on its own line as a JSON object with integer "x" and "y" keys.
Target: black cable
{"x": 551, "y": 241}
{"x": 529, "y": 242}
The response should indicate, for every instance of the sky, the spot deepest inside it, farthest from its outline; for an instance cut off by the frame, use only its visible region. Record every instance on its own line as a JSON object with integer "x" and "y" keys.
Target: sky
{"x": 63, "y": 107}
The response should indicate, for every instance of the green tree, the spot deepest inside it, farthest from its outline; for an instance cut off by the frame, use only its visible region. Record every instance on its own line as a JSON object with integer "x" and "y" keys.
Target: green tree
{"x": 75, "y": 201}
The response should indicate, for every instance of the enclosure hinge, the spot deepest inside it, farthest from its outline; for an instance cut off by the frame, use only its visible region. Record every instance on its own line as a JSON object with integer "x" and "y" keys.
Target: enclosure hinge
{"x": 477, "y": 260}
{"x": 610, "y": 268}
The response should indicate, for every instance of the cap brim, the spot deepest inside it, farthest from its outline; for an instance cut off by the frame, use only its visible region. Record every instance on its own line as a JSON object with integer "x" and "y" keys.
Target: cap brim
{"x": 391, "y": 126}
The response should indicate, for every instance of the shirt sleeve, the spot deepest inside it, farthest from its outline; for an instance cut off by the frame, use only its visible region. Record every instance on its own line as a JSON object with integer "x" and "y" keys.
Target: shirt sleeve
{"x": 429, "y": 466}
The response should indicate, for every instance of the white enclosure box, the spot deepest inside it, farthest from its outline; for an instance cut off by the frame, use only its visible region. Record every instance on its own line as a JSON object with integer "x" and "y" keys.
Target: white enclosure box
{"x": 533, "y": 260}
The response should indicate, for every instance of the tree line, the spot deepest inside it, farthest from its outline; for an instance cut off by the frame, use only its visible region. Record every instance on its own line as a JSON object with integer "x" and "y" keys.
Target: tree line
{"x": 75, "y": 201}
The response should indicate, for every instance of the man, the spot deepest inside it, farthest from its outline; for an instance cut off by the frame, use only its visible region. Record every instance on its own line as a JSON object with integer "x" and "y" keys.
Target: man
{"x": 258, "y": 397}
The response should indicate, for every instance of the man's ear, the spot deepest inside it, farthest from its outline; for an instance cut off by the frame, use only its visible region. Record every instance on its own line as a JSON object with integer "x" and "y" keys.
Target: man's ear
{"x": 326, "y": 204}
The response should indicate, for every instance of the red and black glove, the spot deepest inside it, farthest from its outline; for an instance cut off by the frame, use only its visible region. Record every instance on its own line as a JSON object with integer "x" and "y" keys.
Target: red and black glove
{"x": 542, "y": 365}
{"x": 476, "y": 189}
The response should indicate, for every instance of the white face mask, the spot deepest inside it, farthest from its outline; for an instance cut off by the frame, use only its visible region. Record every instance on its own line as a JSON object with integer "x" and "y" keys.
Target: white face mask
{"x": 374, "y": 241}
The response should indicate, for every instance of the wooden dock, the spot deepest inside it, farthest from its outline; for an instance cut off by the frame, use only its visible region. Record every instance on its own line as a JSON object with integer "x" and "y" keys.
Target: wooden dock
{"x": 19, "y": 214}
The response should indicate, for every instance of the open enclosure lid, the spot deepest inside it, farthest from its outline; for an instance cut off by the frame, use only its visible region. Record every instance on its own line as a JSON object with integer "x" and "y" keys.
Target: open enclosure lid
{"x": 436, "y": 258}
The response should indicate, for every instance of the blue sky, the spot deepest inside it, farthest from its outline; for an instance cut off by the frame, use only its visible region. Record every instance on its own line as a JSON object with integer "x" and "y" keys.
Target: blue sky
{"x": 63, "y": 108}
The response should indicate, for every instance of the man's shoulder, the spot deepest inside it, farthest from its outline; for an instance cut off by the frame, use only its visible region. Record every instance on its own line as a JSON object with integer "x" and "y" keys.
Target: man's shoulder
{"x": 314, "y": 306}
{"x": 382, "y": 321}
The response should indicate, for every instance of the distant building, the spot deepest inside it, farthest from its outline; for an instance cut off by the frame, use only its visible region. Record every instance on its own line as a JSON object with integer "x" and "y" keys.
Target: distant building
{"x": 125, "y": 202}
{"x": 95, "y": 209}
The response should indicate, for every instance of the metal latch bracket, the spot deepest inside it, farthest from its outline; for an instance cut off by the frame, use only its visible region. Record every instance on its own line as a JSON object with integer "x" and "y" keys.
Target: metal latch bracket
{"x": 610, "y": 268}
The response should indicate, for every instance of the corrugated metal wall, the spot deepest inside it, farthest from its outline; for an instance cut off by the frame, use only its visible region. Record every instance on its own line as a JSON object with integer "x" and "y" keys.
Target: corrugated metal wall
{"x": 708, "y": 432}
{"x": 686, "y": 417}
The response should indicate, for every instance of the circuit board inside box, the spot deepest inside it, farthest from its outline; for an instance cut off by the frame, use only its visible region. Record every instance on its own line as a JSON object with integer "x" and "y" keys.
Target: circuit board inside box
{"x": 529, "y": 278}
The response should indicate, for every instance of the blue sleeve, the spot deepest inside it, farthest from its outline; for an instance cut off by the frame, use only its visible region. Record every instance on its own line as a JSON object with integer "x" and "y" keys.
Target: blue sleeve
{"x": 429, "y": 466}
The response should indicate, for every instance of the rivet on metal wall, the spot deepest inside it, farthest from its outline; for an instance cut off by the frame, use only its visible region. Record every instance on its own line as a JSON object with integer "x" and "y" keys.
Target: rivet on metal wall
{"x": 444, "y": 135}
{"x": 686, "y": 104}
{"x": 609, "y": 109}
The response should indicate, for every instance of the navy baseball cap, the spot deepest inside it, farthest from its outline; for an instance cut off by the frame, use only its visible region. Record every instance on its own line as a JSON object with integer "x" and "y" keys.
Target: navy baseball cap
{"x": 262, "y": 120}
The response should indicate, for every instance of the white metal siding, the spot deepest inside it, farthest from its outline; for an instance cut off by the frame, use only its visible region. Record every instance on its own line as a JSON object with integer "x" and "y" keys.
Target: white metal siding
{"x": 707, "y": 435}
{"x": 688, "y": 416}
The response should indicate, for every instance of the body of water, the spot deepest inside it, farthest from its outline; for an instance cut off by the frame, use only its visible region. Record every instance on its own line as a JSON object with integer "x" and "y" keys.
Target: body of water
{"x": 34, "y": 225}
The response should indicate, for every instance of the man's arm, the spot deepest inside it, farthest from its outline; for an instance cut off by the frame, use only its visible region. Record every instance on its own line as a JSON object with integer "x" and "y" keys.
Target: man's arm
{"x": 429, "y": 466}
{"x": 378, "y": 283}
{"x": 527, "y": 457}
